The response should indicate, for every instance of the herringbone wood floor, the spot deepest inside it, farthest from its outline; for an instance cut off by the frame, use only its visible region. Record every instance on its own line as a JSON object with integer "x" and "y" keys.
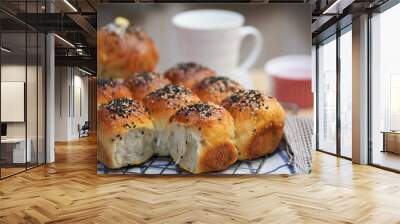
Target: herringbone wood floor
{"x": 69, "y": 191}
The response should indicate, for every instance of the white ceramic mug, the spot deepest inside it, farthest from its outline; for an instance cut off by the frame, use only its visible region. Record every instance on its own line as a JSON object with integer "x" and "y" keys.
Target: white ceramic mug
{"x": 213, "y": 38}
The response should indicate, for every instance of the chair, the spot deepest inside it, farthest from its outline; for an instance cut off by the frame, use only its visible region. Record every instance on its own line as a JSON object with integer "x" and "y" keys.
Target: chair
{"x": 84, "y": 130}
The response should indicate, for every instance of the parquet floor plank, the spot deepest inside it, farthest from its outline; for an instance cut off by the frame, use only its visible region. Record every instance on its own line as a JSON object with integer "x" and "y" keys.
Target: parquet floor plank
{"x": 70, "y": 191}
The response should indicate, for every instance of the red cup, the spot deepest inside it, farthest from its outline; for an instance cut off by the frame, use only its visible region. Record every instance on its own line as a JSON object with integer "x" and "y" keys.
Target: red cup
{"x": 294, "y": 91}
{"x": 291, "y": 75}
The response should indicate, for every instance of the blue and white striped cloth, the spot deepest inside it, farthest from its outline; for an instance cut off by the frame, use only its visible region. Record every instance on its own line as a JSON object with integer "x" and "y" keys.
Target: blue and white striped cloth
{"x": 280, "y": 162}
{"x": 292, "y": 157}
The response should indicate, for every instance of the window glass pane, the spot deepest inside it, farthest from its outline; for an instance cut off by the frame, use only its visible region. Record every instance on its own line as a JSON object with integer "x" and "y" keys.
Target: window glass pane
{"x": 23, "y": 89}
{"x": 13, "y": 86}
{"x": 386, "y": 88}
{"x": 346, "y": 94}
{"x": 327, "y": 97}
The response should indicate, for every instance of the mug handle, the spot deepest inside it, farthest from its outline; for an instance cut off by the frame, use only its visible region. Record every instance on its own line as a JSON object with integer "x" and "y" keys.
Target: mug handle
{"x": 255, "y": 52}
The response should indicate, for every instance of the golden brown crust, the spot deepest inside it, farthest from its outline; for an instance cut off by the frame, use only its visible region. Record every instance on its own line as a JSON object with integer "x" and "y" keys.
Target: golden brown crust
{"x": 110, "y": 89}
{"x": 259, "y": 122}
{"x": 122, "y": 51}
{"x": 164, "y": 102}
{"x": 143, "y": 83}
{"x": 120, "y": 115}
{"x": 265, "y": 142}
{"x": 217, "y": 158}
{"x": 188, "y": 74}
{"x": 215, "y": 124}
{"x": 215, "y": 89}
{"x": 204, "y": 116}
{"x": 114, "y": 121}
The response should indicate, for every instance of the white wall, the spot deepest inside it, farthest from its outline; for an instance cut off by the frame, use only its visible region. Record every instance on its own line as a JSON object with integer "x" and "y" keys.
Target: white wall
{"x": 15, "y": 73}
{"x": 79, "y": 117}
{"x": 62, "y": 82}
{"x": 70, "y": 83}
{"x": 50, "y": 94}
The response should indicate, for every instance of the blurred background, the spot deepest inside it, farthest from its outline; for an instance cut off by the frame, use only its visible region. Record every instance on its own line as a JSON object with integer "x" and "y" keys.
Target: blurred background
{"x": 285, "y": 29}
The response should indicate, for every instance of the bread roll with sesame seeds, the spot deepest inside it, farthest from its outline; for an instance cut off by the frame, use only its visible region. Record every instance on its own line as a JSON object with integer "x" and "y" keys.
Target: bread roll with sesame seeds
{"x": 259, "y": 122}
{"x": 110, "y": 89}
{"x": 143, "y": 83}
{"x": 188, "y": 74}
{"x": 215, "y": 89}
{"x": 125, "y": 134}
{"x": 161, "y": 105}
{"x": 201, "y": 138}
{"x": 123, "y": 49}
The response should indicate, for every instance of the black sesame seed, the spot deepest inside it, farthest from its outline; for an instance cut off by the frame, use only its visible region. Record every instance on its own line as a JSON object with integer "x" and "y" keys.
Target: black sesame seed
{"x": 123, "y": 107}
{"x": 143, "y": 78}
{"x": 171, "y": 92}
{"x": 220, "y": 84}
{"x": 188, "y": 65}
{"x": 247, "y": 98}
{"x": 103, "y": 83}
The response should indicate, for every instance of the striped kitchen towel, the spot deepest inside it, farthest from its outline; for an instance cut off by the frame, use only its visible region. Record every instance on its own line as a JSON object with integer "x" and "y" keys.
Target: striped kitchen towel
{"x": 293, "y": 156}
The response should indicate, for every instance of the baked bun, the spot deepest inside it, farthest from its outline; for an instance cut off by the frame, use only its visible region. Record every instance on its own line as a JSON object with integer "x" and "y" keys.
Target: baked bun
{"x": 188, "y": 74}
{"x": 215, "y": 89}
{"x": 125, "y": 133}
{"x": 201, "y": 138}
{"x": 161, "y": 105}
{"x": 110, "y": 89}
{"x": 143, "y": 83}
{"x": 259, "y": 121}
{"x": 123, "y": 49}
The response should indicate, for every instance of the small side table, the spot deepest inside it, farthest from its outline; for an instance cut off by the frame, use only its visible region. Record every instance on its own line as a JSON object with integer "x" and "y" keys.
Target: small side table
{"x": 391, "y": 141}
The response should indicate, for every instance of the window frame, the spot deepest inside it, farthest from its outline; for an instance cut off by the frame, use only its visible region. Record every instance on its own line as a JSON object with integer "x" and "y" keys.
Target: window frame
{"x": 27, "y": 29}
{"x": 333, "y": 37}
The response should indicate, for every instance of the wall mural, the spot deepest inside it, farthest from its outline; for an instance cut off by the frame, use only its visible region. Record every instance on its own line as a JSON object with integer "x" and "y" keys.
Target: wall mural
{"x": 176, "y": 94}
